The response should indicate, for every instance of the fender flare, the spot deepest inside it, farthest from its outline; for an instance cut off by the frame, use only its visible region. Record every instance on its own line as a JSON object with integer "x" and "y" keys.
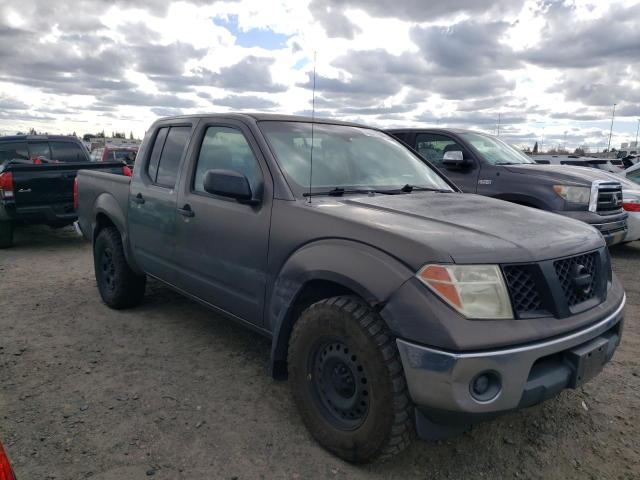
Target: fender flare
{"x": 365, "y": 270}
{"x": 106, "y": 204}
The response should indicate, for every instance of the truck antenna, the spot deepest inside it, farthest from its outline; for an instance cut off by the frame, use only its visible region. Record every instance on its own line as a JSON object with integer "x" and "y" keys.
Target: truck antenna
{"x": 313, "y": 116}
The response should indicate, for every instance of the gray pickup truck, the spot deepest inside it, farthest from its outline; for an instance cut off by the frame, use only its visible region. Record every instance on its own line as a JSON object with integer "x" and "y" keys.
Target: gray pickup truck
{"x": 395, "y": 303}
{"x": 484, "y": 164}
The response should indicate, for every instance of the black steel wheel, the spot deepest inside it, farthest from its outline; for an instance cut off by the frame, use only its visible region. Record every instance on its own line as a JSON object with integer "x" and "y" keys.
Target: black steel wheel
{"x": 108, "y": 269}
{"x": 119, "y": 286}
{"x": 341, "y": 384}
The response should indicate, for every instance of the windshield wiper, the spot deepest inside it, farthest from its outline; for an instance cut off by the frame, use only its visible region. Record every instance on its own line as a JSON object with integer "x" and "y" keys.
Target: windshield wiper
{"x": 412, "y": 188}
{"x": 339, "y": 191}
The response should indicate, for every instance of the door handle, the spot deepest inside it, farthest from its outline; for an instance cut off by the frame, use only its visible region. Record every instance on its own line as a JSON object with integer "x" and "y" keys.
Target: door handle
{"x": 139, "y": 199}
{"x": 186, "y": 211}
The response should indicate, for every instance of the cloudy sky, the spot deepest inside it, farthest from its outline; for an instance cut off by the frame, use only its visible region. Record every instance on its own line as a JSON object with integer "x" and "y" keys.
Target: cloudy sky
{"x": 550, "y": 69}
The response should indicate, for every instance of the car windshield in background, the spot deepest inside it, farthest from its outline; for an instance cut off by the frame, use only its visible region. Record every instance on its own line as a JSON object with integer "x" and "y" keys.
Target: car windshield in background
{"x": 495, "y": 151}
{"x": 346, "y": 157}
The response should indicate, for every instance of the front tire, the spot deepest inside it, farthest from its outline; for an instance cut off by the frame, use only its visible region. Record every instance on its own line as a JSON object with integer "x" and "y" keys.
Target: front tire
{"x": 6, "y": 234}
{"x": 347, "y": 381}
{"x": 119, "y": 286}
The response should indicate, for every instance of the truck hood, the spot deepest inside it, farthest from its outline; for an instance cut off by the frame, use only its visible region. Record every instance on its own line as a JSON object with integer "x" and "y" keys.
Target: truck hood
{"x": 463, "y": 228}
{"x": 561, "y": 173}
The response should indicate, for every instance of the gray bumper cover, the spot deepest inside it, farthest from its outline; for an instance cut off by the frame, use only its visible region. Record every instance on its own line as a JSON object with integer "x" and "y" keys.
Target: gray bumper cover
{"x": 441, "y": 380}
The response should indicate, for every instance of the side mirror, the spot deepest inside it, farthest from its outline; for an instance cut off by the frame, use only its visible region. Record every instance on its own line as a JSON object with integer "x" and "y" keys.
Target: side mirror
{"x": 228, "y": 183}
{"x": 454, "y": 159}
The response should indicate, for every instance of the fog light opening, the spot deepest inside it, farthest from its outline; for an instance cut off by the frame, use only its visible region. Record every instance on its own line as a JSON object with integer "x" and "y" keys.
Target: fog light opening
{"x": 485, "y": 386}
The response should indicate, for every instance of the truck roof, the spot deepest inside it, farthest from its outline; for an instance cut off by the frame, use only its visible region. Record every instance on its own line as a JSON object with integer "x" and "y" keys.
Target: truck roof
{"x": 267, "y": 116}
{"x": 13, "y": 138}
{"x": 431, "y": 129}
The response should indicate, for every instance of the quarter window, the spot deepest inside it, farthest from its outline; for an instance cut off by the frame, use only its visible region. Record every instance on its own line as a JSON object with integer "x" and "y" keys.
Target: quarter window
{"x": 433, "y": 147}
{"x": 225, "y": 148}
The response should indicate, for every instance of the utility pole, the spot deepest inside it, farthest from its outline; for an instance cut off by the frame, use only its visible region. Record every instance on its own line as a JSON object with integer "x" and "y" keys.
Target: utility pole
{"x": 613, "y": 115}
{"x": 637, "y": 129}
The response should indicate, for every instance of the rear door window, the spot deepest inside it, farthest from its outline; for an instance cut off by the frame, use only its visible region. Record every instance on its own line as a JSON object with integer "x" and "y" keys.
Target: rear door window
{"x": 172, "y": 152}
{"x": 39, "y": 149}
{"x": 13, "y": 151}
{"x": 154, "y": 159}
{"x": 67, "y": 152}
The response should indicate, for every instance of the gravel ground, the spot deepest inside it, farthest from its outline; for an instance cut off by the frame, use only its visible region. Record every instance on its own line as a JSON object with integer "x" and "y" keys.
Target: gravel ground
{"x": 170, "y": 390}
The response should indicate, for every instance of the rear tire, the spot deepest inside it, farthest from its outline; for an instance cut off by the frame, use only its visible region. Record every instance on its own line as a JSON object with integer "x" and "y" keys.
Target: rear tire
{"x": 6, "y": 234}
{"x": 119, "y": 286}
{"x": 347, "y": 381}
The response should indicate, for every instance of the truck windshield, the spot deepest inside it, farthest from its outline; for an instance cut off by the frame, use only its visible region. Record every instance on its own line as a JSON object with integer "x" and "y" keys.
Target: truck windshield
{"x": 495, "y": 151}
{"x": 348, "y": 158}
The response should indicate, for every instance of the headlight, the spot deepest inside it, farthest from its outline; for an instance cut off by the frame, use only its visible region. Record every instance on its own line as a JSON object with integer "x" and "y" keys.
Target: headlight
{"x": 573, "y": 194}
{"x": 476, "y": 291}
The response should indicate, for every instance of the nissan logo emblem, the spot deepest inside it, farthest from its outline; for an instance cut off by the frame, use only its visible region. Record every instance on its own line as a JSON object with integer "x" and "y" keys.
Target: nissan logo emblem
{"x": 581, "y": 279}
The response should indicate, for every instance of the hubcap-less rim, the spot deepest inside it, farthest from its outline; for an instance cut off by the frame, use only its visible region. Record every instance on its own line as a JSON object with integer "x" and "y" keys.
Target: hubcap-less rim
{"x": 340, "y": 385}
{"x": 108, "y": 269}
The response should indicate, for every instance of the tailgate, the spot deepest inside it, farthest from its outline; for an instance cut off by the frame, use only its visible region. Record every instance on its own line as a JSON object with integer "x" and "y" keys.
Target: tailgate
{"x": 52, "y": 184}
{"x": 43, "y": 186}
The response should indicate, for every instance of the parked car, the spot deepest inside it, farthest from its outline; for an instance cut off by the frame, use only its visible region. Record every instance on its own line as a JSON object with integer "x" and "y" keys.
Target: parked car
{"x": 612, "y": 165}
{"x": 36, "y": 180}
{"x": 6, "y": 472}
{"x": 631, "y": 202}
{"x": 394, "y": 302}
{"x": 633, "y": 173}
{"x": 483, "y": 164}
{"x": 115, "y": 154}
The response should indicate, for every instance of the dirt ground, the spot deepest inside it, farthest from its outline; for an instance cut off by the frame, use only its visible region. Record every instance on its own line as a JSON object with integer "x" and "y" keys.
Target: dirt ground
{"x": 169, "y": 391}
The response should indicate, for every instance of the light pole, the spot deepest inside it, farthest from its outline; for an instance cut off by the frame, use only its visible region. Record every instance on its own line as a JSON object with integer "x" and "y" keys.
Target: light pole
{"x": 613, "y": 115}
{"x": 637, "y": 129}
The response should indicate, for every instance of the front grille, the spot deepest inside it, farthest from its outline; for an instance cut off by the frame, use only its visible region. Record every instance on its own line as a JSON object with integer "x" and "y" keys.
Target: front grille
{"x": 568, "y": 268}
{"x": 525, "y": 297}
{"x": 609, "y": 198}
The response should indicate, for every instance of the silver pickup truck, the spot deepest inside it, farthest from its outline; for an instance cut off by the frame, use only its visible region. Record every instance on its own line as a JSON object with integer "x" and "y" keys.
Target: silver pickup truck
{"x": 395, "y": 303}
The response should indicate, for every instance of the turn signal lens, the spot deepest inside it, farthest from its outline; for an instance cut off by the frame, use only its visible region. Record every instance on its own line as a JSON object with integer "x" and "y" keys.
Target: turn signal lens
{"x": 476, "y": 291}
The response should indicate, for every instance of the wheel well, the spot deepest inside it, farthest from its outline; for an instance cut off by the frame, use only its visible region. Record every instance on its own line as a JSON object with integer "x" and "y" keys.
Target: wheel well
{"x": 102, "y": 222}
{"x": 312, "y": 292}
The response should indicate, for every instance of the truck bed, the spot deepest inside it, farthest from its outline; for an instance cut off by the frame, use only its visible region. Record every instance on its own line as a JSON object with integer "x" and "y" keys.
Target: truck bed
{"x": 97, "y": 189}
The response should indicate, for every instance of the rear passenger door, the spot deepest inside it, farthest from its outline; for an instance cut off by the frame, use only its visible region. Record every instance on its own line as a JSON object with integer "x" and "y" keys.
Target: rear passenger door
{"x": 152, "y": 201}
{"x": 433, "y": 147}
{"x": 223, "y": 244}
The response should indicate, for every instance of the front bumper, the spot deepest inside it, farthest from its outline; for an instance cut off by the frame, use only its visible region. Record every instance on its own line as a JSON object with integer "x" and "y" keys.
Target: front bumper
{"x": 612, "y": 227}
{"x": 440, "y": 381}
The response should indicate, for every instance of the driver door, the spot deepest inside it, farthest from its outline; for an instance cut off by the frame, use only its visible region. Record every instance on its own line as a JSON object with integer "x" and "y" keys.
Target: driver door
{"x": 433, "y": 147}
{"x": 222, "y": 245}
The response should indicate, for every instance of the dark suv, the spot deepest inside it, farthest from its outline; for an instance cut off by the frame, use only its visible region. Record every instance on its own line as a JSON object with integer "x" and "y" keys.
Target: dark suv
{"x": 484, "y": 164}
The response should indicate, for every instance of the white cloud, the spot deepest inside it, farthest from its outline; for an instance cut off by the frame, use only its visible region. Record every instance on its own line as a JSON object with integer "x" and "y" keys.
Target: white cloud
{"x": 550, "y": 67}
